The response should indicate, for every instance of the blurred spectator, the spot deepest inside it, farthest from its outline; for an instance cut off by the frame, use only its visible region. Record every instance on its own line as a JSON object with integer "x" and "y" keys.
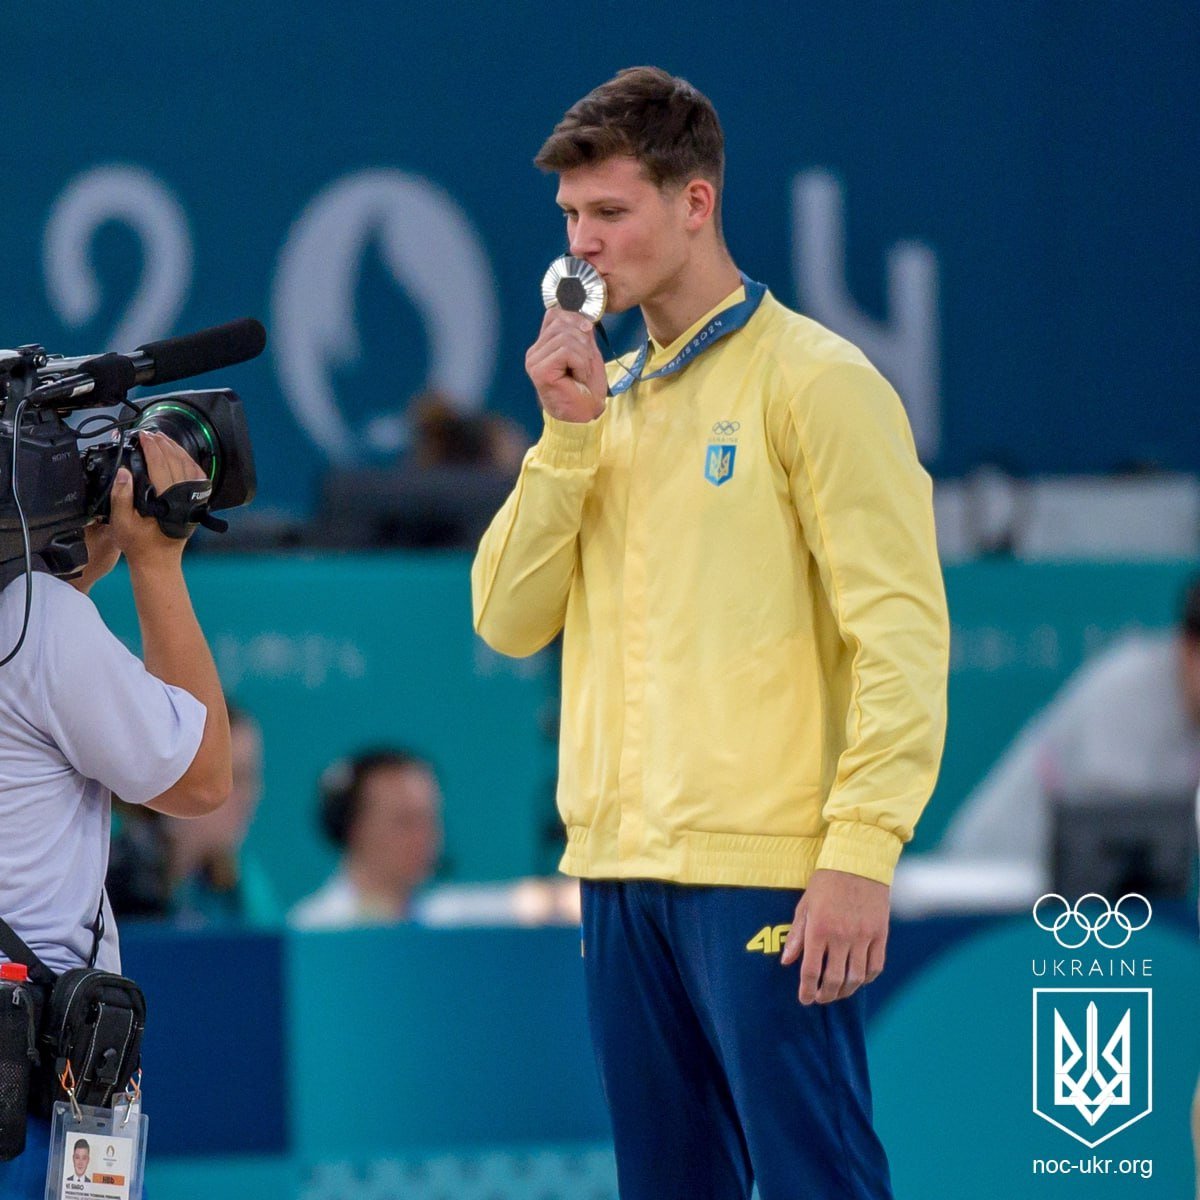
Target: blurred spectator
{"x": 382, "y": 809}
{"x": 444, "y": 436}
{"x": 138, "y": 882}
{"x": 1127, "y": 726}
{"x": 507, "y": 444}
{"x": 214, "y": 880}
{"x": 458, "y": 470}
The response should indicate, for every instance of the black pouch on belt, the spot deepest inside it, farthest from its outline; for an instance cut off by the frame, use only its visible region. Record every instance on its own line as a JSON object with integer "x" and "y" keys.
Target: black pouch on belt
{"x": 94, "y": 1022}
{"x": 89, "y": 1021}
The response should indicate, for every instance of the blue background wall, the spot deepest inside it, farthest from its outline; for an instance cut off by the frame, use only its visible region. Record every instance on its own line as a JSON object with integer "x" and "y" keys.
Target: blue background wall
{"x": 1041, "y": 155}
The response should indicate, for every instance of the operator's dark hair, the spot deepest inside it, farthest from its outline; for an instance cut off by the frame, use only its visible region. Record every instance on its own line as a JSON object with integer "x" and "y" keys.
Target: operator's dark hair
{"x": 669, "y": 126}
{"x": 82, "y": 1144}
{"x": 341, "y": 784}
{"x": 1189, "y": 617}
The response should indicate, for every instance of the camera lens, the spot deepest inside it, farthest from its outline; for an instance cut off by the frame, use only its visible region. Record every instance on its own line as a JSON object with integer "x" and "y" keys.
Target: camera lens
{"x": 188, "y": 428}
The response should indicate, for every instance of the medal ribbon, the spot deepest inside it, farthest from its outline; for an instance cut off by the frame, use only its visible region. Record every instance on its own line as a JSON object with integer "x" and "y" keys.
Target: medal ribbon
{"x": 727, "y": 321}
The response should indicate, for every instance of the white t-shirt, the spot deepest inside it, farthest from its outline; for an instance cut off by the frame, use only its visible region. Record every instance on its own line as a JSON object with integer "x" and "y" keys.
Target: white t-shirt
{"x": 80, "y": 718}
{"x": 1119, "y": 727}
{"x": 338, "y": 904}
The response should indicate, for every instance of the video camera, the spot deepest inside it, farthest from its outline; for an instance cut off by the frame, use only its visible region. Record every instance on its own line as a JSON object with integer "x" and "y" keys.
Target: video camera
{"x": 51, "y": 485}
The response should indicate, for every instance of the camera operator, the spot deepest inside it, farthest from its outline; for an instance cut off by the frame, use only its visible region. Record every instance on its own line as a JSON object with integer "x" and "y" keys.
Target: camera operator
{"x": 81, "y": 717}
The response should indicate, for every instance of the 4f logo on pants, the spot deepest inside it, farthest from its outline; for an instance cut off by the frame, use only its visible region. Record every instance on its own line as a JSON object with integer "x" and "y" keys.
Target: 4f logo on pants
{"x": 769, "y": 939}
{"x": 1092, "y": 1059}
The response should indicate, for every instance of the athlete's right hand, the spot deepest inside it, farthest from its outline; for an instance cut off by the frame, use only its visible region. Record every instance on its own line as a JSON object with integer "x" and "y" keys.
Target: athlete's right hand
{"x": 566, "y": 369}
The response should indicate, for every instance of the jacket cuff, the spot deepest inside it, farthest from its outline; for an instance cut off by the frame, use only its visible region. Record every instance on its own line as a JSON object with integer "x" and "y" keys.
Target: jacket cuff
{"x": 860, "y": 849}
{"x": 569, "y": 443}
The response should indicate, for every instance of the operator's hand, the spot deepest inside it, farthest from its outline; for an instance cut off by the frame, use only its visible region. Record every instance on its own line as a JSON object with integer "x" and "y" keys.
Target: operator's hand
{"x": 839, "y": 933}
{"x": 103, "y": 553}
{"x": 566, "y": 368}
{"x": 138, "y": 537}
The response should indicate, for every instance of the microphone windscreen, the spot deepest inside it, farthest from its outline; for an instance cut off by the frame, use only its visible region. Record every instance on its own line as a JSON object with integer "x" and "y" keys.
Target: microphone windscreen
{"x": 209, "y": 350}
{"x": 114, "y": 376}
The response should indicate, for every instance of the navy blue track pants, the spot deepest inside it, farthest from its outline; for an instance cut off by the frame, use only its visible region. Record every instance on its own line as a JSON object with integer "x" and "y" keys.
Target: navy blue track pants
{"x": 715, "y": 1076}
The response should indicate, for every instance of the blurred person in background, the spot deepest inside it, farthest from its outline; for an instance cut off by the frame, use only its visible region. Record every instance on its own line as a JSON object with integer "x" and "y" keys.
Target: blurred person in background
{"x": 214, "y": 880}
{"x": 383, "y": 810}
{"x": 734, "y": 534}
{"x": 138, "y": 882}
{"x": 445, "y": 436}
{"x": 440, "y": 495}
{"x": 1126, "y": 725}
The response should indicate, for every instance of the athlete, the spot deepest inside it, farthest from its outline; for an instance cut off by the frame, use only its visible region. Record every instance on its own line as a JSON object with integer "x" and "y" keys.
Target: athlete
{"x": 734, "y": 532}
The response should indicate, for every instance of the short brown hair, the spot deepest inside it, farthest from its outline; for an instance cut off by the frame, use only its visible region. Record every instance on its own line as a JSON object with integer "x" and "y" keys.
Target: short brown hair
{"x": 666, "y": 124}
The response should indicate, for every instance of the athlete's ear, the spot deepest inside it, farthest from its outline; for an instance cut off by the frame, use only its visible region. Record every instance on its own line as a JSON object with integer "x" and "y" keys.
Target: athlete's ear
{"x": 699, "y": 199}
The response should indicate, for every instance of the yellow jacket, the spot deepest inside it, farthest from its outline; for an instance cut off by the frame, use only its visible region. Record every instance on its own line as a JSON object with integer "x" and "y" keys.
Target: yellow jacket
{"x": 742, "y": 555}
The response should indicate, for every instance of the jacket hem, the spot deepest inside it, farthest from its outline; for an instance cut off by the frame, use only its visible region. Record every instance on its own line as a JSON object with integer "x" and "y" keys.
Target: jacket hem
{"x": 696, "y": 857}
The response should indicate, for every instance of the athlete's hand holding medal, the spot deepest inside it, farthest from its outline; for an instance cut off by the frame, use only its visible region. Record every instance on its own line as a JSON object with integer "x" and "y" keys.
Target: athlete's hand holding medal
{"x": 565, "y": 364}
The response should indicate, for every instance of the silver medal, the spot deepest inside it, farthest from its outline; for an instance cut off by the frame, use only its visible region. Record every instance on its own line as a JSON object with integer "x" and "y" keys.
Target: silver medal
{"x": 575, "y": 285}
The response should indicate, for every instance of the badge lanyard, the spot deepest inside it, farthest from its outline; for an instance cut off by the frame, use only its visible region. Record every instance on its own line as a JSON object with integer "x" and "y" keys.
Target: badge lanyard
{"x": 98, "y": 1153}
{"x": 727, "y": 321}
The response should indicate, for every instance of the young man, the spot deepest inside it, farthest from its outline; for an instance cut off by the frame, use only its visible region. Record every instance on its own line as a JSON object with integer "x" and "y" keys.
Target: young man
{"x": 383, "y": 810}
{"x": 81, "y": 1157}
{"x": 80, "y": 718}
{"x": 735, "y": 533}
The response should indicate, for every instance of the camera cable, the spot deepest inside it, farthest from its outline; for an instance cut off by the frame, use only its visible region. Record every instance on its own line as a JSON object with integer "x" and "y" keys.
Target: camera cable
{"x": 16, "y": 460}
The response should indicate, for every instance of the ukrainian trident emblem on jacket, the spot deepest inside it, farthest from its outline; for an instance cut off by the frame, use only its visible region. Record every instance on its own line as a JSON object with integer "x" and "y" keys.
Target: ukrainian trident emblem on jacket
{"x": 721, "y": 455}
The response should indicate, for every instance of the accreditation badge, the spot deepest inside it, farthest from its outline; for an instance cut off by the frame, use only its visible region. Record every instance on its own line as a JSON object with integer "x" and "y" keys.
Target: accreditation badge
{"x": 97, "y": 1153}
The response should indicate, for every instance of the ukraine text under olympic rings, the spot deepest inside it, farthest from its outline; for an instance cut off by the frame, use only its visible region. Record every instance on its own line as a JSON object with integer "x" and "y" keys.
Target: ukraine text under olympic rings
{"x": 1111, "y": 914}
